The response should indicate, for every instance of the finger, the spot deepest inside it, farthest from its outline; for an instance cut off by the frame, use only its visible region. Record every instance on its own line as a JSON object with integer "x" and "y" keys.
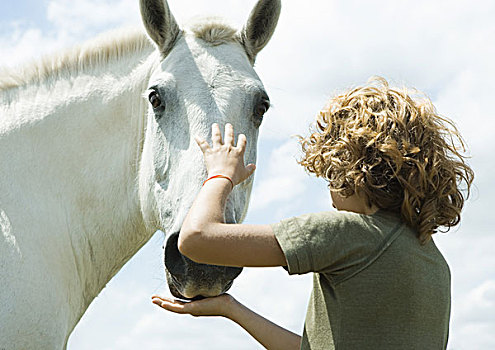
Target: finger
{"x": 168, "y": 305}
{"x": 156, "y": 299}
{"x": 154, "y": 296}
{"x": 216, "y": 135}
{"x": 250, "y": 168}
{"x": 229, "y": 134}
{"x": 202, "y": 143}
{"x": 241, "y": 142}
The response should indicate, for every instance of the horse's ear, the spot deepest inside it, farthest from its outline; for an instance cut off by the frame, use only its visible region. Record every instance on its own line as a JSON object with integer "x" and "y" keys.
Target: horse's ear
{"x": 260, "y": 26}
{"x": 159, "y": 23}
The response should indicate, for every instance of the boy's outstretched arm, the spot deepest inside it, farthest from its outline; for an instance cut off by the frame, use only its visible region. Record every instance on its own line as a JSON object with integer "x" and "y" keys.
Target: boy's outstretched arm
{"x": 204, "y": 237}
{"x": 267, "y": 333}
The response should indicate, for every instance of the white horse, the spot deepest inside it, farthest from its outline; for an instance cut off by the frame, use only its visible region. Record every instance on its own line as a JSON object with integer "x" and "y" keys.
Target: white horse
{"x": 89, "y": 169}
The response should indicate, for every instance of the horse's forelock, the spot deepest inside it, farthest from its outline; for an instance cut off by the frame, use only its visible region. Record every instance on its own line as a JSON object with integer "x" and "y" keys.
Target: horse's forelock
{"x": 213, "y": 30}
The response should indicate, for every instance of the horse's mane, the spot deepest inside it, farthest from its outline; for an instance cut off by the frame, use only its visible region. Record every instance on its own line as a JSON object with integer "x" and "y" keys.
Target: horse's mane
{"x": 105, "y": 48}
{"x": 100, "y": 50}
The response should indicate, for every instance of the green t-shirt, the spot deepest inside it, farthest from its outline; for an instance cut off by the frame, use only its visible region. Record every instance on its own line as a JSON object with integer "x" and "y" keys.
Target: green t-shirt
{"x": 375, "y": 285}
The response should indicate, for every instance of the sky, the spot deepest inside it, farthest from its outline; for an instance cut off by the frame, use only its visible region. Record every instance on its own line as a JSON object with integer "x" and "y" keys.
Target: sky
{"x": 443, "y": 48}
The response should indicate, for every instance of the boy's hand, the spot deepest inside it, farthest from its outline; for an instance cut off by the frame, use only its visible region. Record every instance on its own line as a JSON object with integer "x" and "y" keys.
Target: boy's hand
{"x": 223, "y": 157}
{"x": 215, "y": 306}
{"x": 267, "y": 333}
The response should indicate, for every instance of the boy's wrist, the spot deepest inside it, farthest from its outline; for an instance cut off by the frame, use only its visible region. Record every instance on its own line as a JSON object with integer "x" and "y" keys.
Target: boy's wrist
{"x": 230, "y": 306}
{"x": 220, "y": 176}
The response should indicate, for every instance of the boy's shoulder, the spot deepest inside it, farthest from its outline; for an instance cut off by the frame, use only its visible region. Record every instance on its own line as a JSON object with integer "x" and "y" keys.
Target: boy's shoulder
{"x": 331, "y": 240}
{"x": 341, "y": 219}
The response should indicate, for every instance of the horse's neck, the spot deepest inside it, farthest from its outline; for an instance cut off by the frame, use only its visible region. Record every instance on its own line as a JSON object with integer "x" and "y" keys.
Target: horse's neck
{"x": 69, "y": 154}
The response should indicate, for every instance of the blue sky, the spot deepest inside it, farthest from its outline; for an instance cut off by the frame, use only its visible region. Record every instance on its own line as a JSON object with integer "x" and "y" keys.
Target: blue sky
{"x": 444, "y": 48}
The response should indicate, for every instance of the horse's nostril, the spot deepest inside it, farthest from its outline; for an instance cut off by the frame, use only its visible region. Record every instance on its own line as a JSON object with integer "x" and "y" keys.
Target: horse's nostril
{"x": 174, "y": 261}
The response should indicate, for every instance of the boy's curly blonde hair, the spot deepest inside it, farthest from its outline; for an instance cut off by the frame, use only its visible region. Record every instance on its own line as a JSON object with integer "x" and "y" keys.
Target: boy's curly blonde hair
{"x": 379, "y": 141}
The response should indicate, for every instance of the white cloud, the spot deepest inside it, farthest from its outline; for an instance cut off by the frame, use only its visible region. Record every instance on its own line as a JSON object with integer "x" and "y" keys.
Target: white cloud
{"x": 468, "y": 100}
{"x": 282, "y": 181}
{"x": 479, "y": 304}
{"x": 75, "y": 17}
{"x": 472, "y": 264}
{"x": 476, "y": 309}
{"x": 25, "y": 44}
{"x": 473, "y": 336}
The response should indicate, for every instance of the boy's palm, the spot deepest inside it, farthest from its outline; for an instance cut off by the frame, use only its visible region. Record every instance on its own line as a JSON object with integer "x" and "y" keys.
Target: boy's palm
{"x": 215, "y": 306}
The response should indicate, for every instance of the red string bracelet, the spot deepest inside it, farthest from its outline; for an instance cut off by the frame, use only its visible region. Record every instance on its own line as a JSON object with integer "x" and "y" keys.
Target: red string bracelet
{"x": 220, "y": 176}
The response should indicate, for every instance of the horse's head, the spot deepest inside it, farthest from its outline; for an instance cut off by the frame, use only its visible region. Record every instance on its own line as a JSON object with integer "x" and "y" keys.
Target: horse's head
{"x": 205, "y": 75}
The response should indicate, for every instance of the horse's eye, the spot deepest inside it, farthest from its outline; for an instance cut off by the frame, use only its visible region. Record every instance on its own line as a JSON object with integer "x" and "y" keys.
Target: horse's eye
{"x": 155, "y": 99}
{"x": 262, "y": 108}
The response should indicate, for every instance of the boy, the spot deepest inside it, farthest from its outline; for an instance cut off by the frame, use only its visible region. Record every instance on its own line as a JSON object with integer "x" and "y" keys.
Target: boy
{"x": 394, "y": 174}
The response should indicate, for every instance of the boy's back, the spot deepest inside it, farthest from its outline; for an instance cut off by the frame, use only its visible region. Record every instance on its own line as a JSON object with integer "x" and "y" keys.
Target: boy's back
{"x": 376, "y": 286}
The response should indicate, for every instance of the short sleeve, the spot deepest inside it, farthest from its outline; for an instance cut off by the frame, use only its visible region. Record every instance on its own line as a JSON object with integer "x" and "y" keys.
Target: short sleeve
{"x": 328, "y": 242}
